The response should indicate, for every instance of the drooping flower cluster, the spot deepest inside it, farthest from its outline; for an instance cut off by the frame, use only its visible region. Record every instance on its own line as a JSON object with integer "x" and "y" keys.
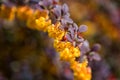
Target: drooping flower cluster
{"x": 55, "y": 19}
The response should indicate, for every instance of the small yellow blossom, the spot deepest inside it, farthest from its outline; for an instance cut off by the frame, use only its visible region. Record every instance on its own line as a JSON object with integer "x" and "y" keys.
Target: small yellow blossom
{"x": 38, "y": 21}
{"x": 81, "y": 71}
{"x": 66, "y": 55}
{"x": 42, "y": 24}
{"x": 60, "y": 45}
{"x": 75, "y": 51}
{"x": 55, "y": 32}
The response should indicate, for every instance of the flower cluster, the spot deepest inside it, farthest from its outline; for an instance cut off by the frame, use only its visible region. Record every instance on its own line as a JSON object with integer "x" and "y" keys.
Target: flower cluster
{"x": 50, "y": 17}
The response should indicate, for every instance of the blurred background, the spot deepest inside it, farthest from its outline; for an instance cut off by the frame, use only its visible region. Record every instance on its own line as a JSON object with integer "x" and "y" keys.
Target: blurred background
{"x": 27, "y": 54}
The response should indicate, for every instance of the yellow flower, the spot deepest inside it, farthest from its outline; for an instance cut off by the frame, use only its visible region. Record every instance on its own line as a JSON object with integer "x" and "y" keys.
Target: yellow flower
{"x": 75, "y": 51}
{"x": 42, "y": 24}
{"x": 38, "y": 20}
{"x": 69, "y": 55}
{"x": 60, "y": 45}
{"x": 7, "y": 12}
{"x": 55, "y": 32}
{"x": 67, "y": 51}
{"x": 81, "y": 71}
{"x": 66, "y": 55}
